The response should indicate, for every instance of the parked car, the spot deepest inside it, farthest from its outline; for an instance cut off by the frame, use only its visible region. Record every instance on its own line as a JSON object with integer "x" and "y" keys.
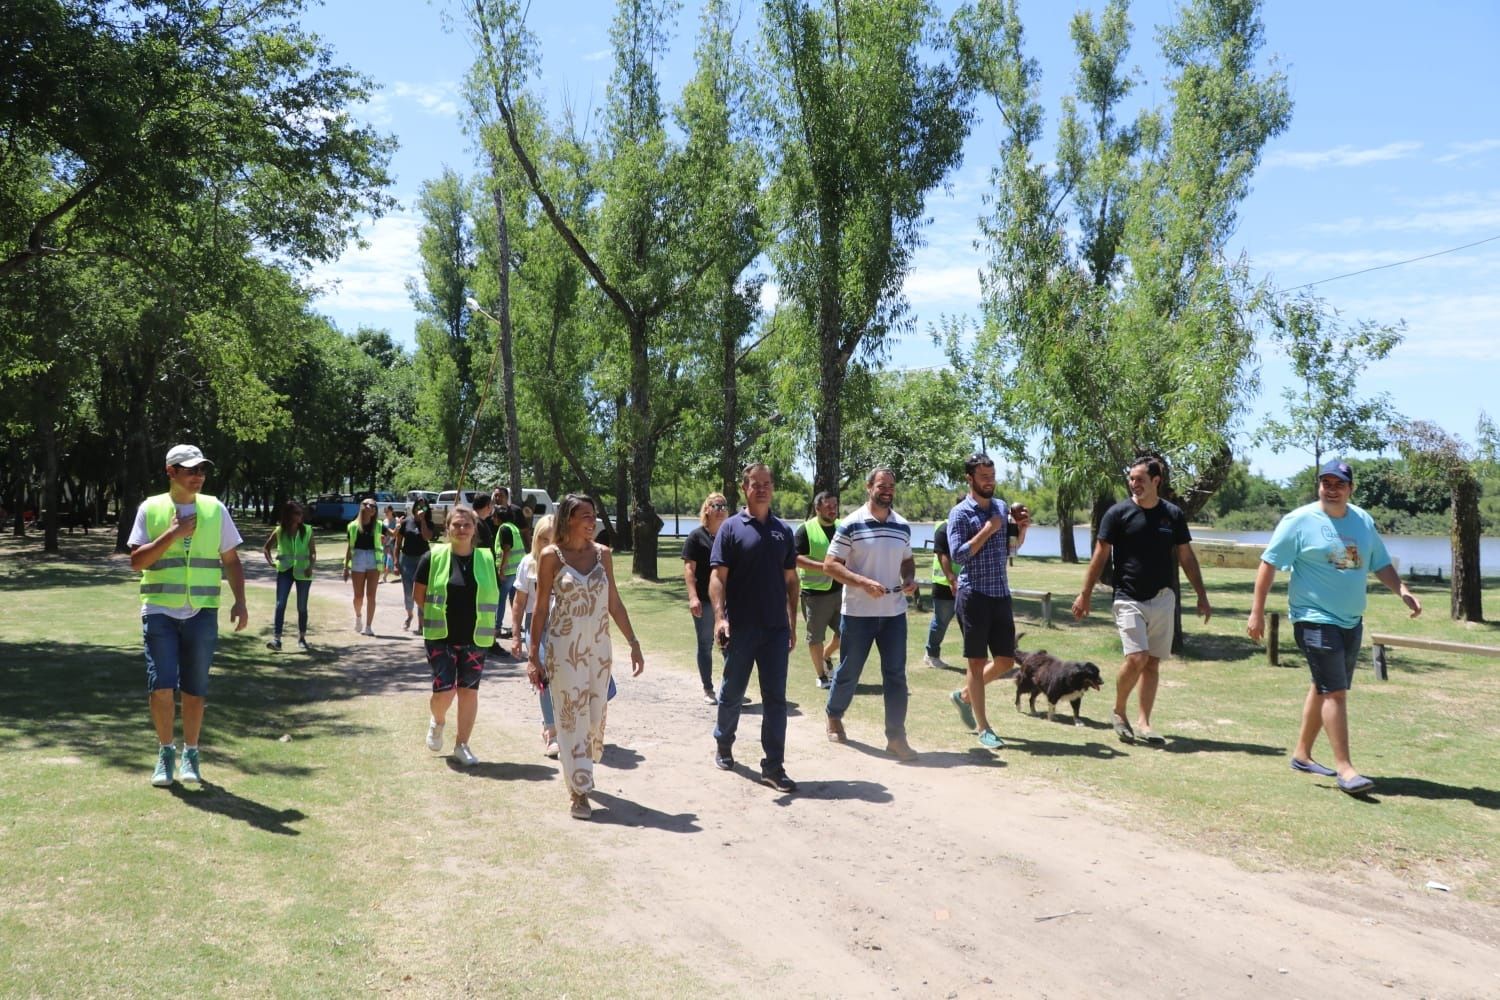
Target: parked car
{"x": 334, "y": 510}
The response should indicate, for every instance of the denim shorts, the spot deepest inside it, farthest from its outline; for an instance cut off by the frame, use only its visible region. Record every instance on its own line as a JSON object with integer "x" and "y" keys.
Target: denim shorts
{"x": 179, "y": 651}
{"x": 363, "y": 561}
{"x": 1331, "y": 653}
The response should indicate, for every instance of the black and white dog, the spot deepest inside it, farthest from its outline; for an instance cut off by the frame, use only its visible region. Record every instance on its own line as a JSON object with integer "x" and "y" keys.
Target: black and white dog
{"x": 1057, "y": 680}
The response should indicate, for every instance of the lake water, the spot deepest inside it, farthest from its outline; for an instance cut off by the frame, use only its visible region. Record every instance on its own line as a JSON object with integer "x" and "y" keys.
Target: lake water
{"x": 1425, "y": 554}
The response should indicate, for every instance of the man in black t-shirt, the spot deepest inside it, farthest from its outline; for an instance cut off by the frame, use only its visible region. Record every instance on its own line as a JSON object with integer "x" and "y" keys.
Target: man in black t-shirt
{"x": 484, "y": 531}
{"x": 1145, "y": 538}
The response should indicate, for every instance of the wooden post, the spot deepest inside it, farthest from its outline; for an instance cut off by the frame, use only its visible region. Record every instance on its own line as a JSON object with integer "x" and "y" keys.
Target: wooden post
{"x": 1273, "y": 640}
{"x": 1380, "y": 668}
{"x": 1047, "y": 609}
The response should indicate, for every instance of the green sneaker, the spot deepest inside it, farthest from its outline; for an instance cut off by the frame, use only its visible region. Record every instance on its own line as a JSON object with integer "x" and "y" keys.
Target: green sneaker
{"x": 165, "y": 761}
{"x": 964, "y": 711}
{"x": 189, "y": 773}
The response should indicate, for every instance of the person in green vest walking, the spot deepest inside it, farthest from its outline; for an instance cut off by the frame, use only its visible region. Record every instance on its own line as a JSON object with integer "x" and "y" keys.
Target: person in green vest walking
{"x": 822, "y": 595}
{"x": 509, "y": 550}
{"x": 361, "y": 562}
{"x": 183, "y": 543}
{"x": 458, "y": 596}
{"x": 943, "y": 578}
{"x": 295, "y": 556}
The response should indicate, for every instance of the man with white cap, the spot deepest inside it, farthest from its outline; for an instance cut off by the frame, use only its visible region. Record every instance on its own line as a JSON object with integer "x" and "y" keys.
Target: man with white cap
{"x": 183, "y": 542}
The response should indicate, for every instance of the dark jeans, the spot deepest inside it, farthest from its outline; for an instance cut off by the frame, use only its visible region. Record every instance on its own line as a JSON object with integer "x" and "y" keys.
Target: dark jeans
{"x": 764, "y": 648}
{"x": 284, "y": 583}
{"x": 704, "y": 626}
{"x": 888, "y": 635}
{"x": 408, "y": 578}
{"x": 942, "y": 615}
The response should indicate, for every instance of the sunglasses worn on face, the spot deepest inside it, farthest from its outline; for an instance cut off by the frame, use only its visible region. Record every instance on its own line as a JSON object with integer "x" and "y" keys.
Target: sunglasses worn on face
{"x": 196, "y": 470}
{"x": 718, "y": 506}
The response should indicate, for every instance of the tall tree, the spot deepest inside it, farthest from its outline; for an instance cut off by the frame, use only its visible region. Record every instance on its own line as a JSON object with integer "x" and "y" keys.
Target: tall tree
{"x": 1436, "y": 454}
{"x": 862, "y": 129}
{"x": 1324, "y": 412}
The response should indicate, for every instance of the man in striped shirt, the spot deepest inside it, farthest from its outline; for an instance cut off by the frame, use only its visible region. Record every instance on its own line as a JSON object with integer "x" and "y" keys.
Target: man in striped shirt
{"x": 871, "y": 556}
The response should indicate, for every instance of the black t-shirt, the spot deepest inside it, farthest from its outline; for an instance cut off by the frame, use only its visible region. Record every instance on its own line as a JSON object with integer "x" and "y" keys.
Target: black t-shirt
{"x": 1143, "y": 539}
{"x": 365, "y": 538}
{"x": 461, "y": 596}
{"x": 804, "y": 548}
{"x": 412, "y": 542}
{"x": 941, "y": 591}
{"x": 696, "y": 550}
{"x": 484, "y": 534}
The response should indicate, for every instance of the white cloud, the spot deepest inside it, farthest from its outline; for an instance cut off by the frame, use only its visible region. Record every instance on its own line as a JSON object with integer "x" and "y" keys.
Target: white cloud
{"x": 955, "y": 285}
{"x": 373, "y": 278}
{"x": 1341, "y": 156}
{"x": 439, "y": 98}
{"x": 1461, "y": 150}
{"x": 1463, "y": 215}
{"x": 599, "y": 55}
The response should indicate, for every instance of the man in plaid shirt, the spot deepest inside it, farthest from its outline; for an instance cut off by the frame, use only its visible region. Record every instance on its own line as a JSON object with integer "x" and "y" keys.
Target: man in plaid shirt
{"x": 980, "y": 528}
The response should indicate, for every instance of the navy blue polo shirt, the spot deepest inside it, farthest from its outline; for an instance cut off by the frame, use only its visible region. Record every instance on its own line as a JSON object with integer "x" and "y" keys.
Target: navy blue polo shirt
{"x": 757, "y": 555}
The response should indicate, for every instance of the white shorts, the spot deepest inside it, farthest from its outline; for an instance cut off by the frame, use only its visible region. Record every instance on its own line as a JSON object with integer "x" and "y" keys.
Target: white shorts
{"x": 1146, "y": 626}
{"x": 364, "y": 561}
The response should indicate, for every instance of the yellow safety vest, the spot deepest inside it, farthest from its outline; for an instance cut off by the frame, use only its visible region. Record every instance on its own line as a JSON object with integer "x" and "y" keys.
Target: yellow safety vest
{"x": 195, "y": 573}
{"x": 486, "y": 604}
{"x": 513, "y": 559}
{"x": 295, "y": 553}
{"x": 817, "y": 548}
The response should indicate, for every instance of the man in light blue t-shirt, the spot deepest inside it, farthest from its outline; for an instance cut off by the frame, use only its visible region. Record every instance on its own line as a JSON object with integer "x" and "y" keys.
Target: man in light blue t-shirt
{"x": 1329, "y": 545}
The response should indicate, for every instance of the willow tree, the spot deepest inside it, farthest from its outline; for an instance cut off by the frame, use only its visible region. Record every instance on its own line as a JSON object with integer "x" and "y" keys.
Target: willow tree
{"x": 868, "y": 117}
{"x": 1435, "y": 454}
{"x": 1119, "y": 327}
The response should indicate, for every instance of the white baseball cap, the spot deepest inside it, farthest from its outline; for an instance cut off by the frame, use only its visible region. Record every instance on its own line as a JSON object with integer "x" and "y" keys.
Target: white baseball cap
{"x": 186, "y": 455}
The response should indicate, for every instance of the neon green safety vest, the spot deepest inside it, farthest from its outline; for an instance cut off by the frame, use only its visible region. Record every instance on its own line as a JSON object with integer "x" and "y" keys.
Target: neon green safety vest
{"x": 194, "y": 574}
{"x": 937, "y": 577}
{"x": 295, "y": 553}
{"x": 353, "y": 531}
{"x": 486, "y": 605}
{"x": 513, "y": 560}
{"x": 817, "y": 548}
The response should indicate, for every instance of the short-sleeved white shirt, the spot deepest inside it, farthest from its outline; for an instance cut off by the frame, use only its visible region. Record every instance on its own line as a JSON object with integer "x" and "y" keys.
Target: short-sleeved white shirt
{"x": 526, "y": 582}
{"x": 229, "y": 538}
{"x": 876, "y": 549}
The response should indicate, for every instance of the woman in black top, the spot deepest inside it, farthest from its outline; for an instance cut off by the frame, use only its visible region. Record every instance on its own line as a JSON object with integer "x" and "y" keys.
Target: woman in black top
{"x": 413, "y": 537}
{"x": 457, "y": 663}
{"x": 695, "y": 572}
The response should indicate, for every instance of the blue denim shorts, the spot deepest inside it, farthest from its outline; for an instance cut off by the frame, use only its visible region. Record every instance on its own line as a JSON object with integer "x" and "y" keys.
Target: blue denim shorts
{"x": 179, "y": 651}
{"x": 1331, "y": 653}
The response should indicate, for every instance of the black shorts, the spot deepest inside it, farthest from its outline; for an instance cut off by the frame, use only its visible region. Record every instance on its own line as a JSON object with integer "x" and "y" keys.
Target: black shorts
{"x": 454, "y": 666}
{"x": 988, "y": 624}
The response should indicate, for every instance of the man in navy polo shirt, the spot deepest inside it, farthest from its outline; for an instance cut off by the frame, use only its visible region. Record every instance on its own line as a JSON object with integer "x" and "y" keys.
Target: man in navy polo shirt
{"x": 754, "y": 591}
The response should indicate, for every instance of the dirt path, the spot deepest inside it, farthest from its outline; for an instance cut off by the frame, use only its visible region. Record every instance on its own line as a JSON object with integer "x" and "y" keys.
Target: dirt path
{"x": 944, "y": 879}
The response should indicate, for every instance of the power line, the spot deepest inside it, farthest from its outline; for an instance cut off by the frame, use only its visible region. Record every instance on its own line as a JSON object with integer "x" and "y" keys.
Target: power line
{"x": 1382, "y": 267}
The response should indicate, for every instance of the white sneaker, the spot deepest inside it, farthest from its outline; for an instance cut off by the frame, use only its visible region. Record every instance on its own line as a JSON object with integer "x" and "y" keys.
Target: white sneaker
{"x": 359, "y": 625}
{"x": 434, "y": 736}
{"x": 464, "y": 755}
{"x": 369, "y": 630}
{"x": 936, "y": 662}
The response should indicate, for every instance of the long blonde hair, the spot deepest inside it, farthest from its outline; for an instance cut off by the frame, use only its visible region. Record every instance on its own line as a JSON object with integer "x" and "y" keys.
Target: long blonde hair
{"x": 541, "y": 537}
{"x": 709, "y": 501}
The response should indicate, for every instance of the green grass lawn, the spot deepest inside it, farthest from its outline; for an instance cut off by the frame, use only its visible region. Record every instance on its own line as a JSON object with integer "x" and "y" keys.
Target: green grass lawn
{"x": 309, "y": 866}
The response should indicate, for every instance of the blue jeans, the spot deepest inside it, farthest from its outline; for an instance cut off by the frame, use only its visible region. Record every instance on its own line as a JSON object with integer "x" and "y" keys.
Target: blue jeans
{"x": 408, "y": 578}
{"x": 178, "y": 651}
{"x": 284, "y": 583}
{"x": 704, "y": 626}
{"x": 764, "y": 648}
{"x": 888, "y": 635}
{"x": 942, "y": 614}
{"x": 507, "y": 587}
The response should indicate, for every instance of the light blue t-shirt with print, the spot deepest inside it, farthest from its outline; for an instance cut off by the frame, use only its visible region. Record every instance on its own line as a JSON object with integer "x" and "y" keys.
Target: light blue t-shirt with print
{"x": 1329, "y": 558}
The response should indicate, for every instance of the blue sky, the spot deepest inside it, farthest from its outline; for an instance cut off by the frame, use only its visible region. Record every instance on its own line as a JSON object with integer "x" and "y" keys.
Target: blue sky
{"x": 1393, "y": 152}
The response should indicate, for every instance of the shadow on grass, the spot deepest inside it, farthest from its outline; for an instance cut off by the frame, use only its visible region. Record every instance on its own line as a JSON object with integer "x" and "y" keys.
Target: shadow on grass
{"x": 91, "y": 699}
{"x": 503, "y": 770}
{"x": 1421, "y": 788}
{"x": 1228, "y": 648}
{"x": 624, "y": 812}
{"x": 1198, "y": 744}
{"x": 1046, "y": 748}
{"x": 221, "y": 801}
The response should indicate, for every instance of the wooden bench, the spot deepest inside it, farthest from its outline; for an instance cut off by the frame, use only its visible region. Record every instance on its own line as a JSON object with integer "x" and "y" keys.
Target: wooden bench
{"x": 1045, "y": 596}
{"x": 1380, "y": 640}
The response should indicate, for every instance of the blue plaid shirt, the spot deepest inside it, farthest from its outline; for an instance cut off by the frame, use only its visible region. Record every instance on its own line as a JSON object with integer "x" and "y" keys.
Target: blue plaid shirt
{"x": 983, "y": 572}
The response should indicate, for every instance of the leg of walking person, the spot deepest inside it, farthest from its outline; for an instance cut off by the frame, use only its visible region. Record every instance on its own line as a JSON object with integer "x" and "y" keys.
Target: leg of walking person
{"x": 278, "y": 620}
{"x": 890, "y": 641}
{"x": 303, "y": 587}
{"x": 703, "y": 628}
{"x": 371, "y": 580}
{"x": 771, "y": 657}
{"x": 857, "y": 634}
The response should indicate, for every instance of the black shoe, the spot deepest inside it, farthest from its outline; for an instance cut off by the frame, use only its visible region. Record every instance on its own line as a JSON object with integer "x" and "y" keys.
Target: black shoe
{"x": 779, "y": 781}
{"x": 505, "y": 632}
{"x": 723, "y": 760}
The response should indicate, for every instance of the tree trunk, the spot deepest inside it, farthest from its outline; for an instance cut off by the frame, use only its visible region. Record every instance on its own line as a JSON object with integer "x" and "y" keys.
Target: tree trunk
{"x": 645, "y": 525}
{"x": 828, "y": 420}
{"x": 1102, "y": 504}
{"x": 1066, "y": 546}
{"x": 507, "y": 368}
{"x": 622, "y": 537}
{"x": 729, "y": 459}
{"x": 52, "y": 495}
{"x": 1467, "y": 603}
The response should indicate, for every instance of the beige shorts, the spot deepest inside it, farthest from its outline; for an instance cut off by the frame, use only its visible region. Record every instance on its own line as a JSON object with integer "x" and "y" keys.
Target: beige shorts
{"x": 1146, "y": 626}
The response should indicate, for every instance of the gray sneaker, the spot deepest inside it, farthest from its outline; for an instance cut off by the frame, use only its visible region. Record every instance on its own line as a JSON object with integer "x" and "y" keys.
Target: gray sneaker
{"x": 189, "y": 772}
{"x": 464, "y": 755}
{"x": 434, "y": 735}
{"x": 166, "y": 762}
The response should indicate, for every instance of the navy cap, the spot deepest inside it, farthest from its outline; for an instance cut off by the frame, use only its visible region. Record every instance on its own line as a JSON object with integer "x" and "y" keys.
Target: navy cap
{"x": 1335, "y": 467}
